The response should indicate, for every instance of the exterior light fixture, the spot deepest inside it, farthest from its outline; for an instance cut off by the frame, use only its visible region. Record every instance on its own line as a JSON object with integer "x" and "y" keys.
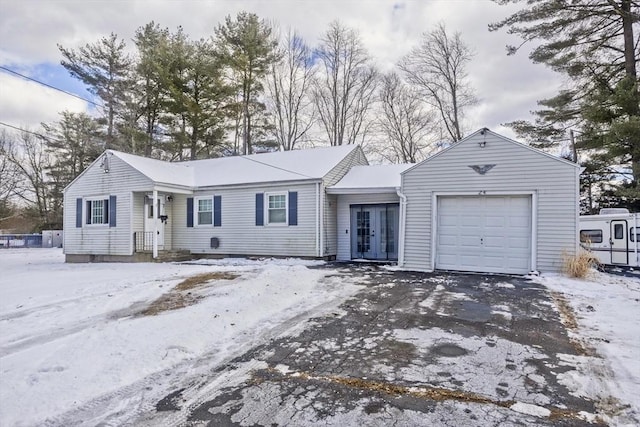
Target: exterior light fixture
{"x": 105, "y": 163}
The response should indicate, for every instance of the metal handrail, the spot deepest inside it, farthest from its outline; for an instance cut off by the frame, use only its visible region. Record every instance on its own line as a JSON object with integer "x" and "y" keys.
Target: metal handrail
{"x": 143, "y": 241}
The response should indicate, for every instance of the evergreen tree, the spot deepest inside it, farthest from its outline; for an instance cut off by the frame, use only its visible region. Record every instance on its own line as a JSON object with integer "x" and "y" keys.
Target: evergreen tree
{"x": 150, "y": 89}
{"x": 198, "y": 97}
{"x": 593, "y": 43}
{"x": 72, "y": 144}
{"x": 247, "y": 50}
{"x": 105, "y": 68}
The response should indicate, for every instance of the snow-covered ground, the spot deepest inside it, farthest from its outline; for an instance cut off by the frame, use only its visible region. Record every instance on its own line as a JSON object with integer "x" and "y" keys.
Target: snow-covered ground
{"x": 70, "y": 333}
{"x": 607, "y": 308}
{"x": 73, "y": 336}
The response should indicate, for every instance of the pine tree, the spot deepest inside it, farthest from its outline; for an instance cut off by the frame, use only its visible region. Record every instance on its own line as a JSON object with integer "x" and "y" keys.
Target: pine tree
{"x": 246, "y": 48}
{"x": 593, "y": 43}
{"x": 105, "y": 68}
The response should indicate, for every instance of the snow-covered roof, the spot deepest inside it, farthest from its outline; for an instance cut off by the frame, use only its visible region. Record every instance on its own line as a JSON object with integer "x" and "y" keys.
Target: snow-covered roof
{"x": 160, "y": 171}
{"x": 279, "y": 166}
{"x": 371, "y": 177}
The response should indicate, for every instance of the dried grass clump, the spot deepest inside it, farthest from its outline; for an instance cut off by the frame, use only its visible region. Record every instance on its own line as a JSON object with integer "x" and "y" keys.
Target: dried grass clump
{"x": 183, "y": 295}
{"x": 579, "y": 265}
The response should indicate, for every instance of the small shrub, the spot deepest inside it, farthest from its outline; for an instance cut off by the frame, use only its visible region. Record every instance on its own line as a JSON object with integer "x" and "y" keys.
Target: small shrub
{"x": 579, "y": 265}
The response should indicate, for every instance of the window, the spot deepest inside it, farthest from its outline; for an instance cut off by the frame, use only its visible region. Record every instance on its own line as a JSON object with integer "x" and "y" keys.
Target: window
{"x": 591, "y": 236}
{"x": 97, "y": 212}
{"x": 618, "y": 231}
{"x": 277, "y": 208}
{"x": 205, "y": 211}
{"x": 634, "y": 234}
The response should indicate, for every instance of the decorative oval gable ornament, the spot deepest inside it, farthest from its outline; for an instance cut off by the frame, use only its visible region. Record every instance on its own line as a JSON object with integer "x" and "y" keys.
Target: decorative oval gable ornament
{"x": 481, "y": 169}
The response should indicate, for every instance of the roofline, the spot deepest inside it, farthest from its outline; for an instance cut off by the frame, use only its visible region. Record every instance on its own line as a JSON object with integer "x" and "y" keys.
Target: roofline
{"x": 257, "y": 184}
{"x": 362, "y": 190}
{"x": 85, "y": 171}
{"x": 303, "y": 179}
{"x": 528, "y": 147}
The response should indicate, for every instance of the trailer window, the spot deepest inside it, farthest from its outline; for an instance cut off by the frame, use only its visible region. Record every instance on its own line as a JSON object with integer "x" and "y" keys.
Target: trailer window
{"x": 591, "y": 236}
{"x": 618, "y": 231}
{"x": 634, "y": 234}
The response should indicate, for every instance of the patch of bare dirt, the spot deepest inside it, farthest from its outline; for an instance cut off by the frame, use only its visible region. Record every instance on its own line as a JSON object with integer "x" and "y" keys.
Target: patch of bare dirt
{"x": 569, "y": 320}
{"x": 185, "y": 293}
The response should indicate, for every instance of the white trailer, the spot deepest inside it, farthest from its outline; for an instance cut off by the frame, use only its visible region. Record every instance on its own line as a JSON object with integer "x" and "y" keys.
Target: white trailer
{"x": 612, "y": 236}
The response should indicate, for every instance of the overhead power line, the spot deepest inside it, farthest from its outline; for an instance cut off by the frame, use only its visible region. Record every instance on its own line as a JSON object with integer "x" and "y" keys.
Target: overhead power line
{"x": 49, "y": 86}
{"x": 39, "y": 135}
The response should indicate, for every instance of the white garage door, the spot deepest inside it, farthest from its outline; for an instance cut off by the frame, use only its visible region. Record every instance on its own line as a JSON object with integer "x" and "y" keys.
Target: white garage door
{"x": 484, "y": 233}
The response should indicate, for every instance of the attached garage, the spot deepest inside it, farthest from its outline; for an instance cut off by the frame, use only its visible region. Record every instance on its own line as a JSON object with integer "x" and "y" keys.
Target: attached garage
{"x": 484, "y": 233}
{"x": 489, "y": 204}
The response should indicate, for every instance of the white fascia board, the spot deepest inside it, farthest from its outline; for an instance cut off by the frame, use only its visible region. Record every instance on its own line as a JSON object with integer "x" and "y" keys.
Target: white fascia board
{"x": 260, "y": 184}
{"x": 165, "y": 188}
{"x": 372, "y": 190}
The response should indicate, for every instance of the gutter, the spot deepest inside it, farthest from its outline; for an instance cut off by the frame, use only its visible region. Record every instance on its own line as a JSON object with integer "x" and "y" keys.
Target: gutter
{"x": 361, "y": 190}
{"x": 402, "y": 226}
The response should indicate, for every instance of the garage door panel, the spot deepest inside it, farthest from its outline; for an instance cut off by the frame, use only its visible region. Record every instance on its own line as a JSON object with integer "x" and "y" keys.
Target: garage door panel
{"x": 472, "y": 260}
{"x": 515, "y": 243}
{"x": 484, "y": 233}
{"x": 494, "y": 221}
{"x": 494, "y": 242}
{"x": 450, "y": 221}
{"x": 467, "y": 221}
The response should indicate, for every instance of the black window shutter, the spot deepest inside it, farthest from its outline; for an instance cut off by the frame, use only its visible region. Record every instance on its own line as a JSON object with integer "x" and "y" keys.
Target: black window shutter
{"x": 79, "y": 212}
{"x": 112, "y": 211}
{"x": 259, "y": 208}
{"x": 189, "y": 211}
{"x": 217, "y": 211}
{"x": 293, "y": 208}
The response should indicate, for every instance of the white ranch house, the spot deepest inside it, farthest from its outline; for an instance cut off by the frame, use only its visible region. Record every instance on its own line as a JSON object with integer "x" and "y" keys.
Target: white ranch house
{"x": 485, "y": 204}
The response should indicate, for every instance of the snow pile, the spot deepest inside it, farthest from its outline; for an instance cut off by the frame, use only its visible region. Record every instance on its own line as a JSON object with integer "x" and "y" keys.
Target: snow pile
{"x": 73, "y": 332}
{"x": 607, "y": 308}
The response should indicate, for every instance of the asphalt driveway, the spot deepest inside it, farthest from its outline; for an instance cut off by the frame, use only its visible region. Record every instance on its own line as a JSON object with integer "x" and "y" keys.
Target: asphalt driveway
{"x": 409, "y": 349}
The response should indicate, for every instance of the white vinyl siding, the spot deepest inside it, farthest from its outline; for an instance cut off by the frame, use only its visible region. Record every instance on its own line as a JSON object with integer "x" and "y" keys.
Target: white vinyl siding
{"x": 330, "y": 209}
{"x": 239, "y": 235}
{"x": 518, "y": 170}
{"x": 95, "y": 183}
{"x": 344, "y": 217}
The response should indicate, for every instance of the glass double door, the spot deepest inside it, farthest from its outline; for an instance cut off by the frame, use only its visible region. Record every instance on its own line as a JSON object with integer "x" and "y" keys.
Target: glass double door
{"x": 374, "y": 231}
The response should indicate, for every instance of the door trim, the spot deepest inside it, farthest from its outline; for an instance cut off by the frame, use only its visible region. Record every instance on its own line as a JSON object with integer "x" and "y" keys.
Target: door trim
{"x": 534, "y": 218}
{"x": 625, "y": 228}
{"x": 375, "y": 240}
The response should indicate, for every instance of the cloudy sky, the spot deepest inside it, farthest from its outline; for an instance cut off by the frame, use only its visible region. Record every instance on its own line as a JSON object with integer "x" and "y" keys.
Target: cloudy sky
{"x": 507, "y": 86}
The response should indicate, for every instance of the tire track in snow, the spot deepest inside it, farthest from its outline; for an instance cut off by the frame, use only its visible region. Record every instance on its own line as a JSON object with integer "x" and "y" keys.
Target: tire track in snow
{"x": 135, "y": 404}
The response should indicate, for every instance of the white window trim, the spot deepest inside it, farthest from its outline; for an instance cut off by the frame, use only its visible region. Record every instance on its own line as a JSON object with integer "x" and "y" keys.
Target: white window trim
{"x": 286, "y": 209}
{"x": 84, "y": 206}
{"x": 196, "y": 205}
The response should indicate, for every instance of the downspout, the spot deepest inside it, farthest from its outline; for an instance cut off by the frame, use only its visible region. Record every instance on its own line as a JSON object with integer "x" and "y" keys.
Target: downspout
{"x": 401, "y": 231}
{"x": 318, "y": 219}
{"x": 155, "y": 223}
{"x": 635, "y": 237}
{"x": 321, "y": 212}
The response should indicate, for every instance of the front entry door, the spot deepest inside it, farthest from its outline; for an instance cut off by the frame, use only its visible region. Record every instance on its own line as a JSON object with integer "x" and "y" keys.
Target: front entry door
{"x": 619, "y": 243}
{"x": 374, "y": 231}
{"x": 148, "y": 221}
